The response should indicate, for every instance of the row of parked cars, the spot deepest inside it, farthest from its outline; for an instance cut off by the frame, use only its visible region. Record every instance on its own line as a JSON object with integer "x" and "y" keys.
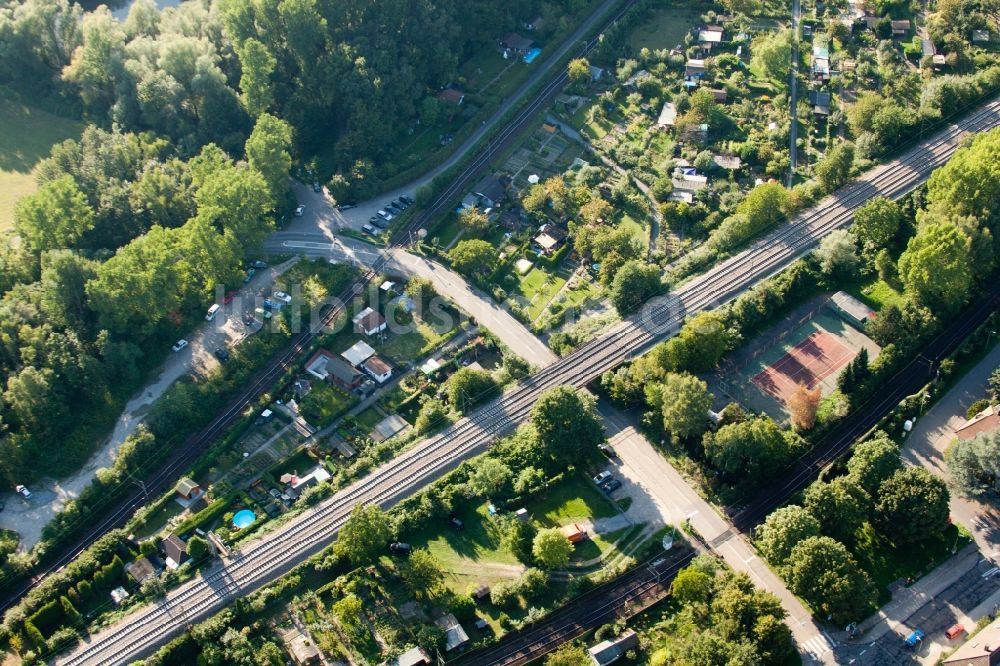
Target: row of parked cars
{"x": 386, "y": 215}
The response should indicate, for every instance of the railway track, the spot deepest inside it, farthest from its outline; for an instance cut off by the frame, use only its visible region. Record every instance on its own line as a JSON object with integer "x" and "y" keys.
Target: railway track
{"x": 273, "y": 554}
{"x": 184, "y": 455}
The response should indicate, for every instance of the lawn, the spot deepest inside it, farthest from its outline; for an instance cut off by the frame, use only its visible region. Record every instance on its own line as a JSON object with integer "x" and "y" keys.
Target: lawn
{"x": 464, "y": 551}
{"x": 158, "y": 520}
{"x": 664, "y": 29}
{"x": 534, "y": 290}
{"x": 482, "y": 68}
{"x": 368, "y": 419}
{"x": 886, "y": 562}
{"x": 877, "y": 293}
{"x": 406, "y": 347}
{"x": 324, "y": 403}
{"x": 28, "y": 135}
{"x": 638, "y": 229}
{"x": 300, "y": 463}
{"x": 572, "y": 499}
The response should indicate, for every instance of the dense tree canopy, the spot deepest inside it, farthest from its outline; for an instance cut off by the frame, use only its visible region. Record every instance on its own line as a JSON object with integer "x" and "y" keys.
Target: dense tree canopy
{"x": 747, "y": 451}
{"x": 876, "y": 223}
{"x": 783, "y": 529}
{"x": 874, "y": 461}
{"x": 551, "y": 548}
{"x": 824, "y": 573}
{"x": 912, "y": 505}
{"x": 686, "y": 402}
{"x": 566, "y": 422}
{"x": 840, "y": 506}
{"x": 364, "y": 534}
{"x": 935, "y": 267}
{"x": 975, "y": 465}
{"x": 634, "y": 284}
{"x": 468, "y": 387}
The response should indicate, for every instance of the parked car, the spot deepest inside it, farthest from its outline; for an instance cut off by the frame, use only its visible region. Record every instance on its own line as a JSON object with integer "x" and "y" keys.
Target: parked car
{"x": 379, "y": 222}
{"x": 400, "y": 204}
{"x": 346, "y": 206}
{"x": 400, "y": 548}
{"x": 259, "y": 264}
{"x": 271, "y": 305}
{"x": 602, "y": 477}
{"x": 179, "y": 345}
{"x": 222, "y": 354}
{"x": 300, "y": 210}
{"x": 212, "y": 311}
{"x": 23, "y": 492}
{"x": 250, "y": 273}
{"x": 393, "y": 210}
{"x": 457, "y": 523}
{"x": 369, "y": 229}
{"x": 262, "y": 313}
{"x": 606, "y": 450}
{"x": 282, "y": 296}
{"x": 385, "y": 215}
{"x": 407, "y": 200}
{"x": 317, "y": 187}
{"x": 611, "y": 486}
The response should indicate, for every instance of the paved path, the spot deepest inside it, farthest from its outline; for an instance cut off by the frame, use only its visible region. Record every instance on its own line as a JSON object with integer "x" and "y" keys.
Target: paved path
{"x": 49, "y": 496}
{"x": 355, "y": 217}
{"x": 647, "y": 474}
{"x": 448, "y": 283}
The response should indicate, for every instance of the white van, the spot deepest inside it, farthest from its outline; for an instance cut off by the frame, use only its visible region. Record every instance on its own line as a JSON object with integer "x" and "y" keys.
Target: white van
{"x": 212, "y": 311}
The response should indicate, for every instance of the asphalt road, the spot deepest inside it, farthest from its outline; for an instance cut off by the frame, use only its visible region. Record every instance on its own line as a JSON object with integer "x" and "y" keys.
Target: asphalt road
{"x": 263, "y": 559}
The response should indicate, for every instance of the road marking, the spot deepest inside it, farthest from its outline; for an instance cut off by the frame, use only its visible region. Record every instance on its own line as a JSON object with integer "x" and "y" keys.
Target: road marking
{"x": 992, "y": 572}
{"x": 308, "y": 244}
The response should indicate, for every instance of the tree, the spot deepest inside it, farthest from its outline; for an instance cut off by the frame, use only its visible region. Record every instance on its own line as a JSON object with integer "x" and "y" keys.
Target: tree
{"x": 578, "y": 70}
{"x": 70, "y": 611}
{"x": 569, "y": 654}
{"x": 634, "y": 284}
{"x": 840, "y": 506}
{"x": 835, "y": 169}
{"x": 969, "y": 183}
{"x": 197, "y": 548}
{"x": 364, "y": 534}
{"x": 257, "y": 65}
{"x": 935, "y": 266}
{"x": 973, "y": 465}
{"x": 468, "y": 387}
{"x": 433, "y": 415}
{"x": 782, "y": 530}
{"x": 56, "y": 216}
{"x": 268, "y": 152}
{"x": 551, "y": 549}
{"x": 491, "y": 477}
{"x": 686, "y": 402}
{"x": 744, "y": 452}
{"x": 876, "y": 223}
{"x": 912, "y": 505}
{"x": 473, "y": 220}
{"x": 765, "y": 206}
{"x": 596, "y": 211}
{"x": 700, "y": 344}
{"x": 823, "y": 572}
{"x": 518, "y": 537}
{"x": 772, "y": 55}
{"x": 837, "y": 254}
{"x": 473, "y": 256}
{"x": 874, "y": 461}
{"x": 348, "y": 613}
{"x": 567, "y": 423}
{"x": 691, "y": 586}
{"x": 803, "y": 405}
{"x": 421, "y": 290}
{"x": 421, "y": 573}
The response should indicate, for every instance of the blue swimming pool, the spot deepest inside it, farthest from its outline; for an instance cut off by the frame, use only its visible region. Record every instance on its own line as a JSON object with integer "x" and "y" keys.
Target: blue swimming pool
{"x": 530, "y": 56}
{"x": 244, "y": 518}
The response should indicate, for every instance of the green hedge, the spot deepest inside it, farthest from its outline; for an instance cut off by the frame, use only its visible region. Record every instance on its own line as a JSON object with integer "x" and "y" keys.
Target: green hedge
{"x": 209, "y": 513}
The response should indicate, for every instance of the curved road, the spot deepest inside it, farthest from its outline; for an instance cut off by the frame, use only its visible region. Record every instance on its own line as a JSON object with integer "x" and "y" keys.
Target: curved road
{"x": 273, "y": 554}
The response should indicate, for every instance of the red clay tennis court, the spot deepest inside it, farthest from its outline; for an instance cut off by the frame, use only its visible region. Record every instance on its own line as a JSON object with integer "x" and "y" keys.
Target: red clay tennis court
{"x": 809, "y": 362}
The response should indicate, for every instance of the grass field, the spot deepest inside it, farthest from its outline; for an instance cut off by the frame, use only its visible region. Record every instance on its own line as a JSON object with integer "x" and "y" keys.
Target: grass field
{"x": 886, "y": 562}
{"x": 664, "y": 29}
{"x": 638, "y": 229}
{"x": 28, "y": 135}
{"x": 405, "y": 347}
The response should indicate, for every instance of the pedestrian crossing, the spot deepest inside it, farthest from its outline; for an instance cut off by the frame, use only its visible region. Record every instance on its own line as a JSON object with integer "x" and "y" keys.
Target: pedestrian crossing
{"x": 817, "y": 646}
